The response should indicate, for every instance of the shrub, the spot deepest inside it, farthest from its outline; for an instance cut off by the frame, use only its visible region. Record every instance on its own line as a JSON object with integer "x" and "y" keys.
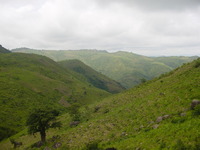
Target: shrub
{"x": 92, "y": 146}
{"x": 178, "y": 120}
{"x": 196, "y": 111}
{"x": 179, "y": 145}
{"x": 197, "y": 64}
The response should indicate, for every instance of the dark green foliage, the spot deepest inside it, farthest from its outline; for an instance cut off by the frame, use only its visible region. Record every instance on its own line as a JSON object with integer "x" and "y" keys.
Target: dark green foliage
{"x": 196, "y": 111}
{"x": 41, "y": 120}
{"x": 178, "y": 119}
{"x": 162, "y": 145}
{"x": 197, "y": 64}
{"x": 180, "y": 145}
{"x": 6, "y": 132}
{"x": 92, "y": 146}
{"x": 143, "y": 80}
{"x": 74, "y": 111}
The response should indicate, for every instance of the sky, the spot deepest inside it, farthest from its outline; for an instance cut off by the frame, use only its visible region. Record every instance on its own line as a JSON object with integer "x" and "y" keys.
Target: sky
{"x": 147, "y": 27}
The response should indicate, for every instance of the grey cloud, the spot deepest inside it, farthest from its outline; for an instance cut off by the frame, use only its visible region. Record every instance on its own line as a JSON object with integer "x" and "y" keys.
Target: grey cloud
{"x": 155, "y": 5}
{"x": 135, "y": 25}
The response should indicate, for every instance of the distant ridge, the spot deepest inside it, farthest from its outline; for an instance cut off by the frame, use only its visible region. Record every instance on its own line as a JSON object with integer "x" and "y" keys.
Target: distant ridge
{"x": 4, "y": 50}
{"x": 127, "y": 68}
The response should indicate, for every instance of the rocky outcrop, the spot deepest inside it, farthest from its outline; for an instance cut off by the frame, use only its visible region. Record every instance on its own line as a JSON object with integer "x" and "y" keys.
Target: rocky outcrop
{"x": 194, "y": 103}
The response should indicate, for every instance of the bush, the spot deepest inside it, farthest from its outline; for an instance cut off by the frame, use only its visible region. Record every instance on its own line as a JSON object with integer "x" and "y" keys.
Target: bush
{"x": 197, "y": 64}
{"x": 6, "y": 132}
{"x": 179, "y": 145}
{"x": 196, "y": 111}
{"x": 92, "y": 146}
{"x": 178, "y": 120}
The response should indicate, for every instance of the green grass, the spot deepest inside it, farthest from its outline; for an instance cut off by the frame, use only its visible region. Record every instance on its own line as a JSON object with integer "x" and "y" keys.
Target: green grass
{"x": 126, "y": 120}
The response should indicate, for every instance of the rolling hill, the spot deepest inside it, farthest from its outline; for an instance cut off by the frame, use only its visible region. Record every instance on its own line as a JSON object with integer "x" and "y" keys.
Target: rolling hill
{"x": 153, "y": 115}
{"x": 124, "y": 67}
{"x": 28, "y": 81}
{"x": 4, "y": 50}
{"x": 88, "y": 74}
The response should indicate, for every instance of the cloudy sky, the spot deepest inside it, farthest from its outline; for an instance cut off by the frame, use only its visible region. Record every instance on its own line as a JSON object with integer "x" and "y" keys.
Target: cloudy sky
{"x": 148, "y": 27}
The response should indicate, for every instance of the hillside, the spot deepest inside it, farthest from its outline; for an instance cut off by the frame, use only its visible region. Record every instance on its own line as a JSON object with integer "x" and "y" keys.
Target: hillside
{"x": 28, "y": 81}
{"x": 124, "y": 67}
{"x": 4, "y": 50}
{"x": 153, "y": 115}
{"x": 95, "y": 78}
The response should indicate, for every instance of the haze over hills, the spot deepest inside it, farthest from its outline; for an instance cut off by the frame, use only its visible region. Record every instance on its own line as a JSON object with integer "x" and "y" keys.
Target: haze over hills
{"x": 153, "y": 115}
{"x": 95, "y": 78}
{"x": 126, "y": 68}
{"x": 28, "y": 81}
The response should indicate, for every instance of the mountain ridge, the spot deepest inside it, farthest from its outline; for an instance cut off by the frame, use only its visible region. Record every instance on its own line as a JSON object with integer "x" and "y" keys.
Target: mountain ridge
{"x": 95, "y": 78}
{"x": 124, "y": 67}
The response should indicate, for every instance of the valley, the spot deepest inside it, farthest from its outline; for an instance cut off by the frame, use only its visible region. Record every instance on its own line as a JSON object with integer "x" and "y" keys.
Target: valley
{"x": 96, "y": 111}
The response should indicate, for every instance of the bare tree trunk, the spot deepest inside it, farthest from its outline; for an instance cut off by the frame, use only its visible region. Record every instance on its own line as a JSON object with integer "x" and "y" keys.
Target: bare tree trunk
{"x": 43, "y": 136}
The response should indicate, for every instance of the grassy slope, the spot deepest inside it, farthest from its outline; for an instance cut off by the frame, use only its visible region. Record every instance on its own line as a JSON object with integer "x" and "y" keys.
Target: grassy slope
{"x": 124, "y": 67}
{"x": 28, "y": 81}
{"x": 125, "y": 120}
{"x": 95, "y": 78}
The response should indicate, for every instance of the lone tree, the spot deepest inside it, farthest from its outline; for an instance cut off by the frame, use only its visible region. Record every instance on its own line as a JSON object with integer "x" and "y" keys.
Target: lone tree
{"x": 41, "y": 120}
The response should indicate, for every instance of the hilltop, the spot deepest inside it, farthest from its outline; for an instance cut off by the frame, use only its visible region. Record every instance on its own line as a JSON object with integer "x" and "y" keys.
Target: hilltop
{"x": 95, "y": 78}
{"x": 127, "y": 68}
{"x": 28, "y": 81}
{"x": 4, "y": 50}
{"x": 153, "y": 115}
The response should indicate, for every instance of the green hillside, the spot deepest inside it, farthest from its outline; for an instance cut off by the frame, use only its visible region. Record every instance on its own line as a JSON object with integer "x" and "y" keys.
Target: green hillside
{"x": 154, "y": 115}
{"x": 4, "y": 50}
{"x": 88, "y": 74}
{"x": 124, "y": 67}
{"x": 28, "y": 81}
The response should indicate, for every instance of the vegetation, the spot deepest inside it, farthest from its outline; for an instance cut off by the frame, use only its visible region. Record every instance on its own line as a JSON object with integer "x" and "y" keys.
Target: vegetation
{"x": 86, "y": 73}
{"x": 126, "y": 68}
{"x": 41, "y": 120}
{"x": 153, "y": 115}
{"x": 74, "y": 111}
{"x": 28, "y": 81}
{"x": 4, "y": 50}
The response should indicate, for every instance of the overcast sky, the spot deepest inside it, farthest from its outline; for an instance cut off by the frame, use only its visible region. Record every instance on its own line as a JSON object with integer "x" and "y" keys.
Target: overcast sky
{"x": 148, "y": 27}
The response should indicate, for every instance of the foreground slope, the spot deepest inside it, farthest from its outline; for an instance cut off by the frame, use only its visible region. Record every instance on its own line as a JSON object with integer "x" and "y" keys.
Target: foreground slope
{"x": 126, "y": 68}
{"x": 98, "y": 80}
{"x": 154, "y": 115}
{"x": 28, "y": 81}
{"x": 131, "y": 120}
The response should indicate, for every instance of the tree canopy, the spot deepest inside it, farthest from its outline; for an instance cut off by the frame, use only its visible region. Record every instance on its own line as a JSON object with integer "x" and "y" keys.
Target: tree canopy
{"x": 41, "y": 120}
